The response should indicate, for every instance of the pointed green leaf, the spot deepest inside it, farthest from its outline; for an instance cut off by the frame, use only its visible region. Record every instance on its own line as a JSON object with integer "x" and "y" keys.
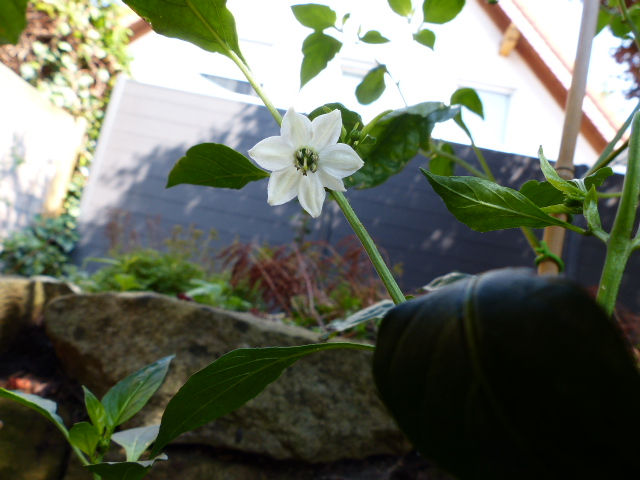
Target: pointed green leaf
{"x": 84, "y": 436}
{"x": 228, "y": 383}
{"x": 484, "y": 206}
{"x": 374, "y": 37}
{"x": 372, "y": 85}
{"x": 425, "y": 37}
{"x": 565, "y": 186}
{"x": 316, "y": 16}
{"x": 468, "y": 98}
{"x": 318, "y": 50}
{"x": 593, "y": 216}
{"x": 95, "y": 409}
{"x": 12, "y": 20}
{"x": 441, "y": 11}
{"x": 206, "y": 23}
{"x": 372, "y": 312}
{"x": 543, "y": 194}
{"x": 401, "y": 7}
{"x": 136, "y": 440}
{"x": 214, "y": 165}
{"x": 123, "y": 470}
{"x": 129, "y": 395}
{"x": 44, "y": 407}
{"x": 597, "y": 178}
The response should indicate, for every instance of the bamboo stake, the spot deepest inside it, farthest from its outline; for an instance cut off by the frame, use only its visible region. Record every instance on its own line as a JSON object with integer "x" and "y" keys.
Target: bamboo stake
{"x": 554, "y": 236}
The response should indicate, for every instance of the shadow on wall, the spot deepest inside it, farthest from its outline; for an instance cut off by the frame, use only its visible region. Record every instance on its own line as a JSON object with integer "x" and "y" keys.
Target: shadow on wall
{"x": 404, "y": 215}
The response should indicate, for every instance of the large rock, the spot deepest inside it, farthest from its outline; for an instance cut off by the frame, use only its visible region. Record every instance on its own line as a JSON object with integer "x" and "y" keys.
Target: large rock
{"x": 322, "y": 409}
{"x": 22, "y": 301}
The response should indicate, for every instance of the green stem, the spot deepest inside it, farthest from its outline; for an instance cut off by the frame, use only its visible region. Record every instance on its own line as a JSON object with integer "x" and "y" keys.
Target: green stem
{"x": 632, "y": 25}
{"x": 483, "y": 162}
{"x": 529, "y": 234}
{"x": 374, "y": 254}
{"x": 454, "y": 158}
{"x": 620, "y": 245}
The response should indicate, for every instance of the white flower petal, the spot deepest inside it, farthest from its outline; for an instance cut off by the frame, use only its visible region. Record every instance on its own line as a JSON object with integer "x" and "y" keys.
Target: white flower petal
{"x": 283, "y": 186}
{"x": 325, "y": 130}
{"x": 339, "y": 161}
{"x": 311, "y": 194}
{"x": 330, "y": 182}
{"x": 273, "y": 153}
{"x": 296, "y": 129}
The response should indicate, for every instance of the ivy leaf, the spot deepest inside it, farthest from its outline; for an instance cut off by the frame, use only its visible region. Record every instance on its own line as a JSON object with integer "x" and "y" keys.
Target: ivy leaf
{"x": 316, "y": 16}
{"x": 441, "y": 11}
{"x": 228, "y": 383}
{"x": 214, "y": 165}
{"x": 374, "y": 37}
{"x": 399, "y": 135}
{"x": 123, "y": 470}
{"x": 543, "y": 194}
{"x": 318, "y": 50}
{"x": 484, "y": 206}
{"x": 372, "y": 85}
{"x": 129, "y": 395}
{"x": 84, "y": 436}
{"x": 468, "y": 98}
{"x": 425, "y": 37}
{"x": 401, "y": 7}
{"x": 13, "y": 20}
{"x": 46, "y": 408}
{"x": 136, "y": 440}
{"x": 206, "y": 23}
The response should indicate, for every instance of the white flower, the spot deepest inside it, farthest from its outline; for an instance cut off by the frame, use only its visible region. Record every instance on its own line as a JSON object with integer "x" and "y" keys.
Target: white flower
{"x": 305, "y": 159}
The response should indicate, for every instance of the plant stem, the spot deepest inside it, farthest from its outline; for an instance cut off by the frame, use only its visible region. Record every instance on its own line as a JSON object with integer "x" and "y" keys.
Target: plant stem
{"x": 620, "y": 245}
{"x": 374, "y": 254}
{"x": 454, "y": 158}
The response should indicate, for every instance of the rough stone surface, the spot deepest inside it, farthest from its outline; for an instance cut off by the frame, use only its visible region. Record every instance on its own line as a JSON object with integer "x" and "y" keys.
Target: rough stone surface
{"x": 323, "y": 408}
{"x": 31, "y": 447}
{"x": 22, "y": 301}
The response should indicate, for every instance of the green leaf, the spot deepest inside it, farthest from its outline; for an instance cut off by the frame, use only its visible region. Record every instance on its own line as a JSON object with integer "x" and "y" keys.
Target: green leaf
{"x": 206, "y": 23}
{"x": 399, "y": 135}
{"x": 401, "y": 7}
{"x": 444, "y": 280}
{"x": 129, "y": 395}
{"x": 13, "y": 20}
{"x": 526, "y": 372}
{"x": 123, "y": 470}
{"x": 318, "y": 50}
{"x": 95, "y": 409}
{"x": 425, "y": 37}
{"x": 350, "y": 119}
{"x": 374, "y": 37}
{"x": 468, "y": 97}
{"x": 441, "y": 11}
{"x": 372, "y": 85}
{"x": 214, "y": 165}
{"x": 441, "y": 165}
{"x": 597, "y": 178}
{"x": 565, "y": 186}
{"x": 316, "y": 16}
{"x": 228, "y": 383}
{"x": 593, "y": 216}
{"x": 604, "y": 17}
{"x": 543, "y": 194}
{"x": 136, "y": 440}
{"x": 44, "y": 407}
{"x": 372, "y": 312}
{"x": 84, "y": 436}
{"x": 484, "y": 206}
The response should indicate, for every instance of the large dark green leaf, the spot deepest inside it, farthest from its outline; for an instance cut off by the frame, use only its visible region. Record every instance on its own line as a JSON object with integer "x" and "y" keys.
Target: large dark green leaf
{"x": 512, "y": 376}
{"x": 228, "y": 383}
{"x": 316, "y": 16}
{"x": 372, "y": 85}
{"x": 318, "y": 50}
{"x": 484, "y": 206}
{"x": 468, "y": 97}
{"x": 123, "y": 470}
{"x": 12, "y": 20}
{"x": 46, "y": 408}
{"x": 129, "y": 395}
{"x": 399, "y": 136}
{"x": 214, "y": 165}
{"x": 206, "y": 23}
{"x": 441, "y": 11}
{"x": 403, "y": 8}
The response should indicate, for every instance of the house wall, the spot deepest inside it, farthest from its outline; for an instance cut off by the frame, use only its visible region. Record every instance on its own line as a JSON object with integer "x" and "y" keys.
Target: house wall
{"x": 466, "y": 55}
{"x": 38, "y": 148}
{"x": 148, "y": 128}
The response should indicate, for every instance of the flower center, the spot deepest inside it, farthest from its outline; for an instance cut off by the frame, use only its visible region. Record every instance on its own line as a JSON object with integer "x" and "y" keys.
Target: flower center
{"x": 306, "y": 160}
